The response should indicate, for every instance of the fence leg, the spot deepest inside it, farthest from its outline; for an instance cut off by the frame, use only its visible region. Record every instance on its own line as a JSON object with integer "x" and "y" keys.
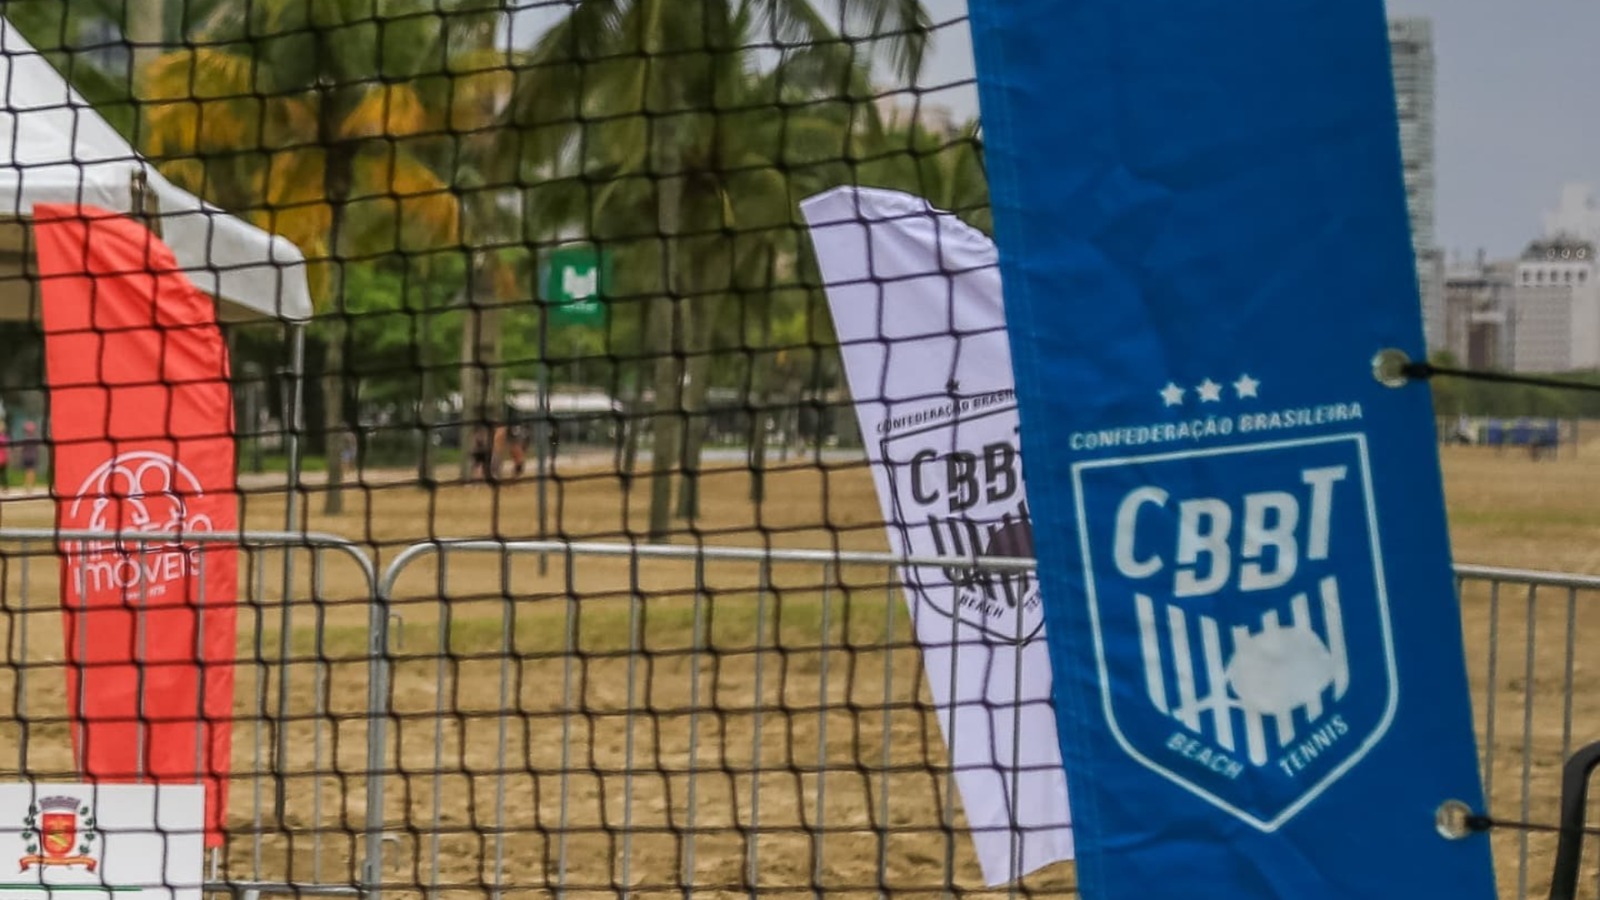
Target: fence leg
{"x": 377, "y": 738}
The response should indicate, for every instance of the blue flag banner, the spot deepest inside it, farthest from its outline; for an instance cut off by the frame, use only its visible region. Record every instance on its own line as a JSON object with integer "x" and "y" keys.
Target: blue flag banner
{"x": 1259, "y": 675}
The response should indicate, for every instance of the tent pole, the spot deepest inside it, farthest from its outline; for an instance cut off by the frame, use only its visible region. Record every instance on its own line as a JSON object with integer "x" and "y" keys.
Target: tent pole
{"x": 292, "y": 427}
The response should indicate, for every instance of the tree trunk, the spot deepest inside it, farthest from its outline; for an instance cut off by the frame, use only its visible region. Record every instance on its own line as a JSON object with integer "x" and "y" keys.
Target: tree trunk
{"x": 664, "y": 344}
{"x": 632, "y": 411}
{"x": 470, "y": 405}
{"x": 333, "y": 420}
{"x": 698, "y": 376}
{"x": 760, "y": 397}
{"x": 471, "y": 373}
{"x": 790, "y": 418}
{"x": 758, "y": 453}
{"x": 667, "y": 427}
{"x": 425, "y": 410}
{"x": 340, "y": 163}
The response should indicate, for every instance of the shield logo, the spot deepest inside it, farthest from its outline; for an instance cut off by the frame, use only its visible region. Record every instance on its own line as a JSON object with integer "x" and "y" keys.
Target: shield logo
{"x": 958, "y": 492}
{"x": 1241, "y": 622}
{"x": 59, "y": 831}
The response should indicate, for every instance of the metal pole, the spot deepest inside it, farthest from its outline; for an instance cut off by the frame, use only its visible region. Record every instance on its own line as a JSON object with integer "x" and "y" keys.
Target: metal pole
{"x": 256, "y": 380}
{"x": 292, "y": 425}
{"x": 377, "y": 738}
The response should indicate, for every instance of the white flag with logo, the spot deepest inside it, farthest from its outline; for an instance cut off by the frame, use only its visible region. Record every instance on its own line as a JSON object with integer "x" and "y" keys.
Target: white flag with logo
{"x": 916, "y": 302}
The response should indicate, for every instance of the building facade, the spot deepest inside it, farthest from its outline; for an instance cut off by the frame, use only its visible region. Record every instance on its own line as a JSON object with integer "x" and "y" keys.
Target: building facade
{"x": 1479, "y": 297}
{"x": 1411, "y": 54}
{"x": 1556, "y": 307}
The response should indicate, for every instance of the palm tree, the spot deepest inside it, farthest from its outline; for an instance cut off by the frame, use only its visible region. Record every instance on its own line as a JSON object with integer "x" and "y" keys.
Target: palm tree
{"x": 940, "y": 164}
{"x": 61, "y": 33}
{"x": 657, "y": 106}
{"x": 307, "y": 118}
{"x": 478, "y": 95}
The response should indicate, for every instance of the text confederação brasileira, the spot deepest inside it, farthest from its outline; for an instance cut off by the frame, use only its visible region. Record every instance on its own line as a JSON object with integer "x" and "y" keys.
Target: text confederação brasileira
{"x": 1200, "y": 428}
{"x": 947, "y": 411}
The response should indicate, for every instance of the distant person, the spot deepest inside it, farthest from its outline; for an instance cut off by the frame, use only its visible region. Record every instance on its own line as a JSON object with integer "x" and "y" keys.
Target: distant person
{"x": 498, "y": 454}
{"x": 29, "y": 447}
{"x": 1545, "y": 442}
{"x": 519, "y": 452}
{"x": 347, "y": 453}
{"x": 480, "y": 453}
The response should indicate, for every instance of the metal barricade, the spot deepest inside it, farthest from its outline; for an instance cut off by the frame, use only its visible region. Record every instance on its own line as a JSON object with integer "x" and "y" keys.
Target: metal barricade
{"x": 302, "y": 647}
{"x": 648, "y": 718}
{"x": 1524, "y": 634}
{"x": 627, "y": 739}
{"x": 652, "y": 718}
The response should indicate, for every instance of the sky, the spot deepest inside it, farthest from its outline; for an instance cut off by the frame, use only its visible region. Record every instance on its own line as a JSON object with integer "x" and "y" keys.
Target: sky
{"x": 1517, "y": 114}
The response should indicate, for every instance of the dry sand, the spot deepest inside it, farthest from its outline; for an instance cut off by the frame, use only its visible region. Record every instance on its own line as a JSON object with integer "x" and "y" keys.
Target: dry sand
{"x": 594, "y": 708}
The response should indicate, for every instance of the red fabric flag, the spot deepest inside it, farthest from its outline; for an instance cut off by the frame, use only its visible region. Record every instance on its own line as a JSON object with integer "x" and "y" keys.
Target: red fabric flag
{"x": 142, "y": 434}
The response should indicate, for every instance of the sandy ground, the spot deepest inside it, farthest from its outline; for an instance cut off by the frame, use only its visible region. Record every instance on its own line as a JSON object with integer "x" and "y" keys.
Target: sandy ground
{"x": 539, "y": 741}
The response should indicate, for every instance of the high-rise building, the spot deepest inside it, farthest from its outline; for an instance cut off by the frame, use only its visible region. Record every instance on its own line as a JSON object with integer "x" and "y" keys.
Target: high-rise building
{"x": 1411, "y": 52}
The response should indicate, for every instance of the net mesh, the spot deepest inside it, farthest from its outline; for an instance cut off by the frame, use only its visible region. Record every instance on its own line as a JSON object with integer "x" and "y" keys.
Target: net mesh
{"x": 542, "y": 521}
{"x": 558, "y": 290}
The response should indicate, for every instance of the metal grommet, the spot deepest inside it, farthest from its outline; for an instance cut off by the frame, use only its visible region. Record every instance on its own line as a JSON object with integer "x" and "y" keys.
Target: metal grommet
{"x": 1389, "y": 368}
{"x": 1453, "y": 820}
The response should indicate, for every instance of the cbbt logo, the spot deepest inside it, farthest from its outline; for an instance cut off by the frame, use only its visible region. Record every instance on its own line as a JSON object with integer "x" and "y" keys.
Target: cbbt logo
{"x": 1241, "y": 622}
{"x": 958, "y": 492}
{"x": 138, "y": 491}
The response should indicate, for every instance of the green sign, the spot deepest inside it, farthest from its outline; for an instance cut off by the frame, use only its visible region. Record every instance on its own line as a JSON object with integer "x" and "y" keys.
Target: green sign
{"x": 575, "y": 284}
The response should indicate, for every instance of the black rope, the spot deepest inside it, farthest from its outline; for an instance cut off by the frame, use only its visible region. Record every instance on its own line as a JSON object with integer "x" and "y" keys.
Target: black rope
{"x": 1422, "y": 371}
{"x": 1481, "y": 823}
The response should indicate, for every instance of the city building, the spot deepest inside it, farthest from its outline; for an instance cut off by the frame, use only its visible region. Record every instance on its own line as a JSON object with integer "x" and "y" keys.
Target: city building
{"x": 1479, "y": 297}
{"x": 1556, "y": 307}
{"x": 1412, "y": 57}
{"x": 1431, "y": 283}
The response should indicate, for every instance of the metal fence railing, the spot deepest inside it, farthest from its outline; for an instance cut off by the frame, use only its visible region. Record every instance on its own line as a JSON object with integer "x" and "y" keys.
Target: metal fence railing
{"x": 731, "y": 719}
{"x": 648, "y": 718}
{"x": 1526, "y": 633}
{"x": 285, "y": 807}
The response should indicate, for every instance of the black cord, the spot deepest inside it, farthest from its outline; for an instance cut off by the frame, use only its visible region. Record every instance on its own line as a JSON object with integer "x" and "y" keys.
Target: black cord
{"x": 1423, "y": 371}
{"x": 1486, "y": 823}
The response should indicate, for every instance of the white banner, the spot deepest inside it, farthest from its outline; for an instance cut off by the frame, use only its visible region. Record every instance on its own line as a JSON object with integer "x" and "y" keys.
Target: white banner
{"x": 131, "y": 842}
{"x": 915, "y": 296}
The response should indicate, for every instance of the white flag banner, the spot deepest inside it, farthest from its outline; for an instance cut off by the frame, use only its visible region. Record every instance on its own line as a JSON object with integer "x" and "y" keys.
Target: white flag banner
{"x": 916, "y": 303}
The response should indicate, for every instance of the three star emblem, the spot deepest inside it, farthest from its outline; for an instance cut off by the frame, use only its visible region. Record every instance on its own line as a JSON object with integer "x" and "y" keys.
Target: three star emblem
{"x": 1208, "y": 391}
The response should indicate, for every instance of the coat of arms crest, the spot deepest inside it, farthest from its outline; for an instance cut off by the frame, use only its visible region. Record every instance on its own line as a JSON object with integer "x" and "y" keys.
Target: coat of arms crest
{"x": 59, "y": 831}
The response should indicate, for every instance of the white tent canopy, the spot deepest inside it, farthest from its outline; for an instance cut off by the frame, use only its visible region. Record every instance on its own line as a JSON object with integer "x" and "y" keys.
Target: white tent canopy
{"x": 54, "y": 148}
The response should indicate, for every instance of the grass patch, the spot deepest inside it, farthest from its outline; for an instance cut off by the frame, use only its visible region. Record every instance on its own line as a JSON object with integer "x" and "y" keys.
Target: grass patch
{"x": 726, "y": 623}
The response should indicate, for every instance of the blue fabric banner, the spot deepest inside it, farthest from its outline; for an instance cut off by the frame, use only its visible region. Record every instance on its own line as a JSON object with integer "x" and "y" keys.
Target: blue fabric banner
{"x": 1260, "y": 679}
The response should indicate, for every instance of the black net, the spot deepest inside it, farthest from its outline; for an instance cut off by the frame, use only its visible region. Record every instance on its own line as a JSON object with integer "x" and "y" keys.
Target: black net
{"x": 498, "y": 517}
{"x": 543, "y": 471}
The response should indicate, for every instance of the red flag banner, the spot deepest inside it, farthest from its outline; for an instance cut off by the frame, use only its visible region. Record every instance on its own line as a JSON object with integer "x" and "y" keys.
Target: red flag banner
{"x": 142, "y": 436}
